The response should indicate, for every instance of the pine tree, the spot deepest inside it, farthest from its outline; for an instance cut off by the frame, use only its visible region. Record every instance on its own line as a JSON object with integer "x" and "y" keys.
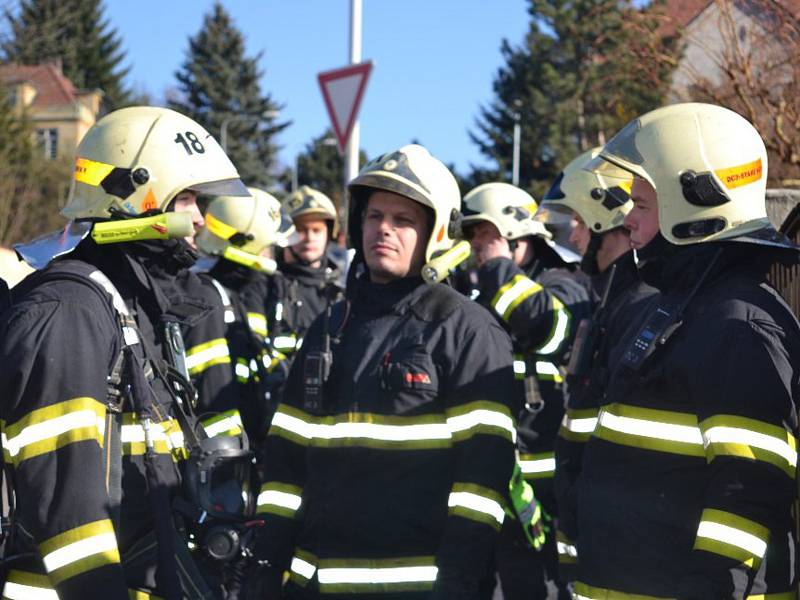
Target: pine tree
{"x": 322, "y": 167}
{"x": 586, "y": 68}
{"x": 76, "y": 33}
{"x": 32, "y": 188}
{"x": 219, "y": 85}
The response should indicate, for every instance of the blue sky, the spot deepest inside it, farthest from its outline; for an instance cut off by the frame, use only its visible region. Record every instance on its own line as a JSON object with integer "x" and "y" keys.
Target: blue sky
{"x": 434, "y": 61}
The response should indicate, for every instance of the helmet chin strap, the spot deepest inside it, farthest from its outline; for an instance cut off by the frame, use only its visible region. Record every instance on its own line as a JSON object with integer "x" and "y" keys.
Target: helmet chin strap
{"x": 589, "y": 261}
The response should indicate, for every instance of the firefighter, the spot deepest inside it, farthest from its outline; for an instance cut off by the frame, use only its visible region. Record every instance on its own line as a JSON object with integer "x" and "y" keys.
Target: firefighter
{"x": 529, "y": 288}
{"x": 690, "y": 470}
{"x": 90, "y": 424}
{"x": 234, "y": 383}
{"x": 596, "y": 207}
{"x": 393, "y": 449}
{"x": 307, "y": 281}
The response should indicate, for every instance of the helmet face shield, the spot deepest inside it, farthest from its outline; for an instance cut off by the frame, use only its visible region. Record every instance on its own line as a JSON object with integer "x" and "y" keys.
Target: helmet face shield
{"x": 225, "y": 187}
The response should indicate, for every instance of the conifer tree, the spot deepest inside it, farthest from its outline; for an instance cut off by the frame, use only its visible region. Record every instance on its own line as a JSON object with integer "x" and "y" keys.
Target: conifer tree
{"x": 76, "y": 33}
{"x": 219, "y": 85}
{"x": 322, "y": 167}
{"x": 585, "y": 68}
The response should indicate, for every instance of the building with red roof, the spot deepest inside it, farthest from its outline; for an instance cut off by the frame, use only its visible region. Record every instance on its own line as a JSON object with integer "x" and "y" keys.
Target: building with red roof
{"x": 60, "y": 113}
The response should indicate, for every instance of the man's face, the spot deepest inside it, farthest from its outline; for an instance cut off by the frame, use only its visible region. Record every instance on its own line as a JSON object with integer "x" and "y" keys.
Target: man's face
{"x": 313, "y": 234}
{"x": 186, "y": 201}
{"x": 487, "y": 243}
{"x": 642, "y": 221}
{"x": 395, "y": 233}
{"x": 579, "y": 235}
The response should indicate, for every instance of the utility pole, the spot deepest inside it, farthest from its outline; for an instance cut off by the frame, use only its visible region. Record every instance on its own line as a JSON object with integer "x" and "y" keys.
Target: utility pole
{"x": 351, "y": 153}
{"x": 517, "y": 134}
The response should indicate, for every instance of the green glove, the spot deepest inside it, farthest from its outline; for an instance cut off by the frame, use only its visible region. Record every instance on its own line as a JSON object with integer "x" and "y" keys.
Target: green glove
{"x": 527, "y": 510}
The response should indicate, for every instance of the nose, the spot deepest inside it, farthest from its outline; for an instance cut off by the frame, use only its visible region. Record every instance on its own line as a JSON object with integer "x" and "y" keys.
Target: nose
{"x": 629, "y": 222}
{"x": 573, "y": 235}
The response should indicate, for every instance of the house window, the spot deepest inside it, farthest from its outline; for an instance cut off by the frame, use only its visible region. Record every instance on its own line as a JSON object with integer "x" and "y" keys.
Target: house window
{"x": 48, "y": 142}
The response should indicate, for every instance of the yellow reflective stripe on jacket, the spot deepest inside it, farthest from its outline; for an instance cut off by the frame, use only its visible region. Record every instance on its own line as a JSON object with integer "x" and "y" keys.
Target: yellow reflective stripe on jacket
{"x": 285, "y": 343}
{"x": 52, "y": 427}
{"x": 257, "y": 323}
{"x": 481, "y": 417}
{"x": 732, "y": 536}
{"x": 545, "y": 370}
{"x": 588, "y": 592}
{"x": 79, "y": 550}
{"x": 361, "y": 429}
{"x": 281, "y": 499}
{"x": 201, "y": 357}
{"x": 567, "y": 551}
{"x": 302, "y": 567}
{"x": 142, "y": 595}
{"x": 548, "y": 371}
{"x": 578, "y": 425}
{"x": 167, "y": 437}
{"x": 730, "y": 435}
{"x": 242, "y": 370}
{"x": 22, "y": 585}
{"x": 537, "y": 466}
{"x": 650, "y": 429}
{"x": 370, "y": 576}
{"x": 520, "y": 366}
{"x": 228, "y": 423}
{"x": 477, "y": 503}
{"x": 512, "y": 294}
{"x": 560, "y": 331}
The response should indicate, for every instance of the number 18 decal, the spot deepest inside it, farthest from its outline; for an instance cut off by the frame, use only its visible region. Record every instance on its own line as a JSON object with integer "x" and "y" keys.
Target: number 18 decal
{"x": 190, "y": 142}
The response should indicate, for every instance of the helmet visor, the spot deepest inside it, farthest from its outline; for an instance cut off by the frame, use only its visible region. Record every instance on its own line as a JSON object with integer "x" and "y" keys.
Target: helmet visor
{"x": 222, "y": 187}
{"x": 620, "y": 157}
{"x": 285, "y": 233}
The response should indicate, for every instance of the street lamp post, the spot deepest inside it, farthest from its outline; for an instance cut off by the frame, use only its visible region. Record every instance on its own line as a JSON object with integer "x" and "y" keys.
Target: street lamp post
{"x": 517, "y": 134}
{"x": 223, "y": 130}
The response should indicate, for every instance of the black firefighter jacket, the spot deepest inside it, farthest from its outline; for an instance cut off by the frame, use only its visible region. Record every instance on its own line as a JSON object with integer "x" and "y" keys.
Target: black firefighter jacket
{"x": 393, "y": 486}
{"x": 689, "y": 477}
{"x": 540, "y": 307}
{"x": 300, "y": 293}
{"x": 59, "y": 343}
{"x": 627, "y": 297}
{"x": 227, "y": 356}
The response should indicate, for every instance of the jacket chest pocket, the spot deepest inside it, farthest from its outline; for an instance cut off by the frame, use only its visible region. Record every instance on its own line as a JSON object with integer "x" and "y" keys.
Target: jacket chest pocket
{"x": 409, "y": 377}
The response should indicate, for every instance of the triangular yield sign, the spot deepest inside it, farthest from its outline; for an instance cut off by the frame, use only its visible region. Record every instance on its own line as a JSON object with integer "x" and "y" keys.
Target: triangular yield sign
{"x": 342, "y": 90}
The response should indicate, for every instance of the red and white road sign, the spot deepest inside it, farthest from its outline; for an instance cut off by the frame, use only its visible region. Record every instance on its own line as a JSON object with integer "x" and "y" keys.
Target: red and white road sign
{"x": 342, "y": 90}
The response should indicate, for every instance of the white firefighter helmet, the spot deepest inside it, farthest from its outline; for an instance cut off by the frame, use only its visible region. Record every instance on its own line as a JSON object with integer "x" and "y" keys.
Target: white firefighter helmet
{"x": 708, "y": 166}
{"x": 308, "y": 201}
{"x": 413, "y": 172}
{"x": 507, "y": 207}
{"x": 135, "y": 160}
{"x": 250, "y": 224}
{"x": 601, "y": 201}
